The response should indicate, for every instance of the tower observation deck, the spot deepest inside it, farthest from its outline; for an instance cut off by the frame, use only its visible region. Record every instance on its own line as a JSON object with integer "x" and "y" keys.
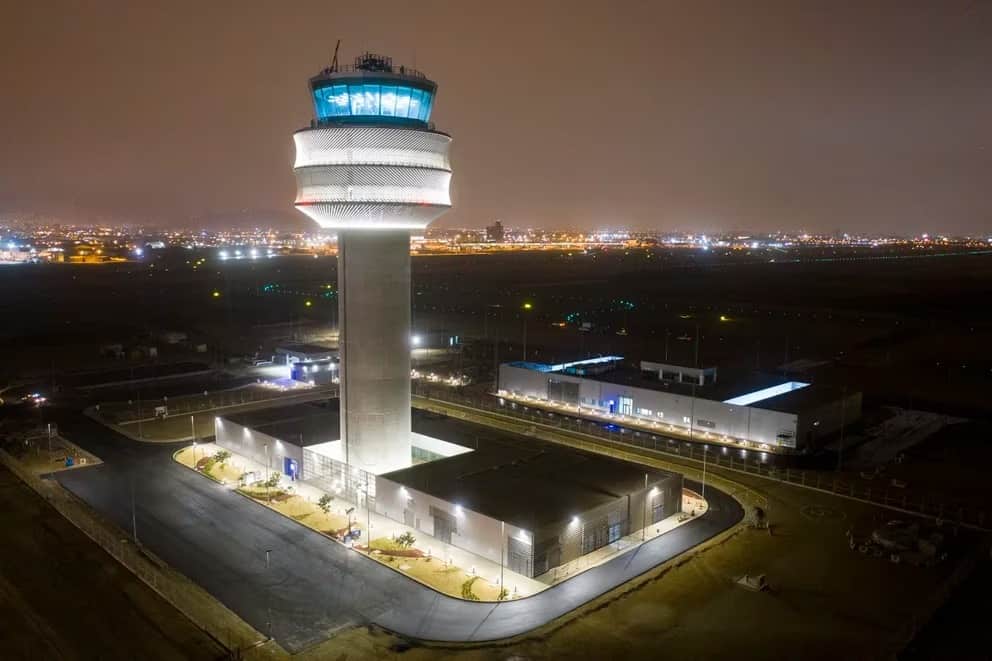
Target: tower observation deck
{"x": 372, "y": 167}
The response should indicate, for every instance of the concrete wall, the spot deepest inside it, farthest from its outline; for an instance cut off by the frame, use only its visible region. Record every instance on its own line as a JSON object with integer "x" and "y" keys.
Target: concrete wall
{"x": 374, "y": 309}
{"x": 252, "y": 444}
{"x": 702, "y": 415}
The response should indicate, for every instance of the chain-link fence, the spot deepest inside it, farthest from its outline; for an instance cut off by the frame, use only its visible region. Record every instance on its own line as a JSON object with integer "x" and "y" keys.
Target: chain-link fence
{"x": 125, "y": 412}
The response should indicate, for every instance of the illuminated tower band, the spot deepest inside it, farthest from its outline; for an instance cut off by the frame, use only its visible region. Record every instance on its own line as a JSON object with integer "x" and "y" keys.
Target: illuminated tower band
{"x": 372, "y": 167}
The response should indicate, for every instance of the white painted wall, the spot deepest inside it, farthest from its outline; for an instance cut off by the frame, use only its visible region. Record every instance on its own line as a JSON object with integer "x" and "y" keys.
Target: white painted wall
{"x": 477, "y": 533}
{"x": 757, "y": 425}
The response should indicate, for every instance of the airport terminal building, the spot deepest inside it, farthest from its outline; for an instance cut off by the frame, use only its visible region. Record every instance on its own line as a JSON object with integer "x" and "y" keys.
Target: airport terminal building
{"x": 763, "y": 411}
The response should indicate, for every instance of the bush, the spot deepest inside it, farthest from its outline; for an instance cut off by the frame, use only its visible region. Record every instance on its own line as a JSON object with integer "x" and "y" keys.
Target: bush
{"x": 273, "y": 481}
{"x": 324, "y": 503}
{"x": 406, "y": 540}
{"x": 467, "y": 589}
{"x": 221, "y": 457}
{"x": 503, "y": 594}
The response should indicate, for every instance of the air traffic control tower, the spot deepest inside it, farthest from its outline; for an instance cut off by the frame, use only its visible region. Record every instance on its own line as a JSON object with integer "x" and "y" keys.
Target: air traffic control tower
{"x": 372, "y": 167}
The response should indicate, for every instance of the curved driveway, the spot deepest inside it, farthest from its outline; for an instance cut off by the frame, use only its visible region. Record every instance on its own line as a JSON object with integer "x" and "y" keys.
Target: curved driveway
{"x": 314, "y": 585}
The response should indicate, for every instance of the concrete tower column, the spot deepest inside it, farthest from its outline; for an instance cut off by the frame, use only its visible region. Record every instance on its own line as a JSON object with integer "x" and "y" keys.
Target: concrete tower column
{"x": 374, "y": 305}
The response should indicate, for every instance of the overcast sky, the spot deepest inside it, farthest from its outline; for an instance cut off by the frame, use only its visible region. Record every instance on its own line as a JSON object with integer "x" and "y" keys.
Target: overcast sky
{"x": 649, "y": 115}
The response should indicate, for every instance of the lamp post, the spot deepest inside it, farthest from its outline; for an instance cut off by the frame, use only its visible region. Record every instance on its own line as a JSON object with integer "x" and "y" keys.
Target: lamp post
{"x": 267, "y": 487}
{"x": 502, "y": 543}
{"x": 526, "y": 308}
{"x": 644, "y": 519}
{"x": 704, "y": 471}
{"x": 192, "y": 429}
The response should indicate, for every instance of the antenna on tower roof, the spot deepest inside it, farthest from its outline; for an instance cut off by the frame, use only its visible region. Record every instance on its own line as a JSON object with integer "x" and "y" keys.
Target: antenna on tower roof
{"x": 334, "y": 60}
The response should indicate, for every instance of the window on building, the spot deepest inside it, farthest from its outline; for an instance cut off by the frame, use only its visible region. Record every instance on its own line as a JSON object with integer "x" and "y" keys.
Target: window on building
{"x": 626, "y": 405}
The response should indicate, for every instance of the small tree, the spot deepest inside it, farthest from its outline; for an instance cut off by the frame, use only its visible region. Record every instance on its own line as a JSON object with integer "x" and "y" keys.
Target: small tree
{"x": 221, "y": 457}
{"x": 406, "y": 540}
{"x": 273, "y": 481}
{"x": 324, "y": 503}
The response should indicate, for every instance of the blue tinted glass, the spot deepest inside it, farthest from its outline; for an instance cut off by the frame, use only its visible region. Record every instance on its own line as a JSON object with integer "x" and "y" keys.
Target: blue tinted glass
{"x": 425, "y": 106}
{"x": 388, "y": 101}
{"x": 320, "y": 102}
{"x": 357, "y": 96}
{"x": 371, "y": 99}
{"x": 339, "y": 101}
{"x": 416, "y": 96}
{"x": 402, "y": 101}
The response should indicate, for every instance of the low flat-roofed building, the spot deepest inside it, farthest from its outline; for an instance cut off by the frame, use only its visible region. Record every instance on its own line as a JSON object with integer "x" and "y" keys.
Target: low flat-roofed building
{"x": 293, "y": 353}
{"x": 534, "y": 508}
{"x": 756, "y": 409}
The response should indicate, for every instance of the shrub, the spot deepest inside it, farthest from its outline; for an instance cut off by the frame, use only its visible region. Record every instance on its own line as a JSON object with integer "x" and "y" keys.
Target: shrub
{"x": 406, "y": 540}
{"x": 467, "y": 589}
{"x": 503, "y": 594}
{"x": 273, "y": 481}
{"x": 324, "y": 503}
{"x": 221, "y": 457}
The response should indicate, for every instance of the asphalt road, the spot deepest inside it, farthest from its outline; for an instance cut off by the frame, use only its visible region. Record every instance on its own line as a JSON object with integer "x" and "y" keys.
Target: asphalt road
{"x": 315, "y": 586}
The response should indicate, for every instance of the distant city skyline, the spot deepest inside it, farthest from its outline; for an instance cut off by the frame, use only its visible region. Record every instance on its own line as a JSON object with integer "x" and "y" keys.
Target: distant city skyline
{"x": 643, "y": 116}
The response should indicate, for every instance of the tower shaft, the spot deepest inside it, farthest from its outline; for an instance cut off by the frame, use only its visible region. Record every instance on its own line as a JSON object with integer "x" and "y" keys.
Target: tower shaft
{"x": 374, "y": 306}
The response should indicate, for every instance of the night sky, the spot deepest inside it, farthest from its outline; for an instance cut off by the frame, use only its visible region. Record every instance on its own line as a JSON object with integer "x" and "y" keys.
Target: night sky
{"x": 688, "y": 116}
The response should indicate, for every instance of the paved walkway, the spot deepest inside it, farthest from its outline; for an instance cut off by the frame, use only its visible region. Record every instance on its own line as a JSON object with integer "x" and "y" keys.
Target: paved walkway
{"x": 313, "y": 586}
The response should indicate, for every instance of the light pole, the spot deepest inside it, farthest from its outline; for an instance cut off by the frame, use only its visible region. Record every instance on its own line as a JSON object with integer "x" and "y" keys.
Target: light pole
{"x": 502, "y": 543}
{"x": 499, "y": 309}
{"x": 705, "y": 447}
{"x": 192, "y": 429}
{"x": 644, "y": 519}
{"x": 267, "y": 487}
{"x": 194, "y": 455}
{"x": 526, "y": 308}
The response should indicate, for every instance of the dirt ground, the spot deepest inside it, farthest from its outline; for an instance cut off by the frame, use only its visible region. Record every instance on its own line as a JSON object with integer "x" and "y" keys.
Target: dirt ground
{"x": 63, "y": 597}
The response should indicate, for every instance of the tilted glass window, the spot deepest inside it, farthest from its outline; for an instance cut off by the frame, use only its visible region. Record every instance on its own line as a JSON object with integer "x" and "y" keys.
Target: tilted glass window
{"x": 339, "y": 101}
{"x": 416, "y": 96}
{"x": 372, "y": 99}
{"x": 387, "y": 104}
{"x": 402, "y": 101}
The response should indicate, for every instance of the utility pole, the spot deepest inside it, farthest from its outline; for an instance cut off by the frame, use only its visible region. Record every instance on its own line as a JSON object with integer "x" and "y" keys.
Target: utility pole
{"x": 644, "y": 519}
{"x": 843, "y": 409}
{"x": 134, "y": 516}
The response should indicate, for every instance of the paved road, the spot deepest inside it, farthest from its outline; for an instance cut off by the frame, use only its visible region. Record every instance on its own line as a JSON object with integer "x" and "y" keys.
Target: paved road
{"x": 315, "y": 586}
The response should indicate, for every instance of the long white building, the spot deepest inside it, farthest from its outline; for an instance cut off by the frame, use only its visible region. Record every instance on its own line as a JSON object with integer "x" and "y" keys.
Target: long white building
{"x": 751, "y": 410}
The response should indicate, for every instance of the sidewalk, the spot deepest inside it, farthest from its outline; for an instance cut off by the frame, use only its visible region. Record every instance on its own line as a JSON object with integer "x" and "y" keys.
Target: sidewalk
{"x": 375, "y": 526}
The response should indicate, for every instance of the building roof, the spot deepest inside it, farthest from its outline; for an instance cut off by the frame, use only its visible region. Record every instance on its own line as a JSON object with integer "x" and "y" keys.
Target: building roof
{"x": 524, "y": 481}
{"x": 730, "y": 384}
{"x": 520, "y": 480}
{"x": 299, "y": 424}
{"x": 307, "y": 349}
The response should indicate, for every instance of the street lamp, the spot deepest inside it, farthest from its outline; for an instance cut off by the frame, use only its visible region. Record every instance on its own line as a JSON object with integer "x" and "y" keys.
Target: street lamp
{"x": 526, "y": 308}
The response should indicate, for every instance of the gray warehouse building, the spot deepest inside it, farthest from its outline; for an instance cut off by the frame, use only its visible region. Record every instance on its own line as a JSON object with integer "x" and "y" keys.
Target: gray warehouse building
{"x": 531, "y": 504}
{"x": 533, "y": 508}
